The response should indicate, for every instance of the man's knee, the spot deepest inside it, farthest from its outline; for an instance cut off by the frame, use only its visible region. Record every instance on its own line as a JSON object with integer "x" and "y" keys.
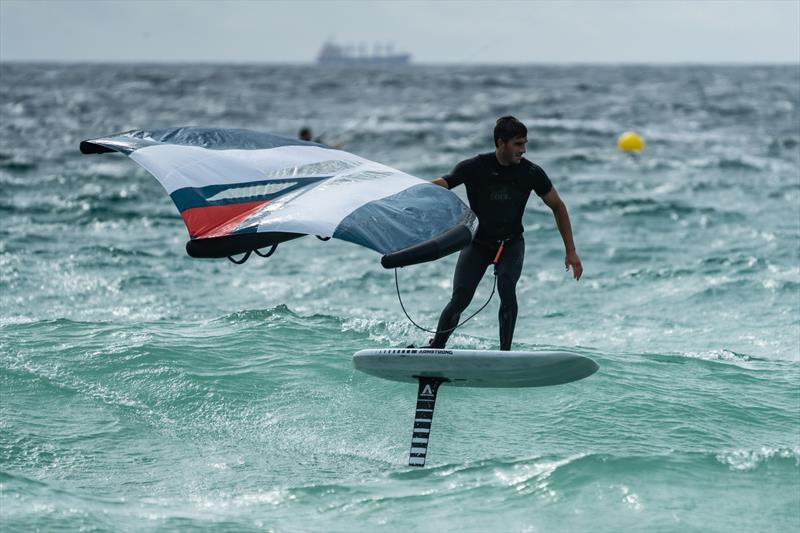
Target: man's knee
{"x": 460, "y": 299}
{"x": 507, "y": 289}
{"x": 508, "y": 309}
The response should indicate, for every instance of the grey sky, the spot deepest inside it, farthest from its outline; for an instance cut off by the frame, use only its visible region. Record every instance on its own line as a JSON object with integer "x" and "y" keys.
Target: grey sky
{"x": 434, "y": 32}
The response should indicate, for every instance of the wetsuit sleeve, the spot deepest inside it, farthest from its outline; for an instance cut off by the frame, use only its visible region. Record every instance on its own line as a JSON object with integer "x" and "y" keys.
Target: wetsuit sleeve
{"x": 459, "y": 174}
{"x": 540, "y": 183}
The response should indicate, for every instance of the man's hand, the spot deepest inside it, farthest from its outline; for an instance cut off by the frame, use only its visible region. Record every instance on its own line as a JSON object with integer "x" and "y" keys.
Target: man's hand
{"x": 554, "y": 202}
{"x": 572, "y": 260}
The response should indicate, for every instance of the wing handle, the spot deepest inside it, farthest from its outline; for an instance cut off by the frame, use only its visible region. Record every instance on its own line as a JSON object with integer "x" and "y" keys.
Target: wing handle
{"x": 247, "y": 254}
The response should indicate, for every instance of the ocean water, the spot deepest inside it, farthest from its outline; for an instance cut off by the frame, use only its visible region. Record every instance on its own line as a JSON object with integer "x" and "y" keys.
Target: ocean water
{"x": 142, "y": 390}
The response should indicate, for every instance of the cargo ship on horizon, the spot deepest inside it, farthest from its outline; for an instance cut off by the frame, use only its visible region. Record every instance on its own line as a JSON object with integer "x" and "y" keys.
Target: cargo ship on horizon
{"x": 334, "y": 54}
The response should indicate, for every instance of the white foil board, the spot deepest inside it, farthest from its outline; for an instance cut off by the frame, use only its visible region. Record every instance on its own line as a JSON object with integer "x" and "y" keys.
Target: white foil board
{"x": 475, "y": 368}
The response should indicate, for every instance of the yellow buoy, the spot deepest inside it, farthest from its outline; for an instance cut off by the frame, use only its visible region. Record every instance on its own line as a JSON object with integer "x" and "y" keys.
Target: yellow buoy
{"x": 630, "y": 142}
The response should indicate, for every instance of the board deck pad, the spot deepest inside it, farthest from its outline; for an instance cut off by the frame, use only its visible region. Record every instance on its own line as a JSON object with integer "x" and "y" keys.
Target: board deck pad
{"x": 475, "y": 368}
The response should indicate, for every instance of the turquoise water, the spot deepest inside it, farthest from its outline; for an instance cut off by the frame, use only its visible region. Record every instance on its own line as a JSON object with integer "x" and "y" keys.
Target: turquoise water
{"x": 144, "y": 390}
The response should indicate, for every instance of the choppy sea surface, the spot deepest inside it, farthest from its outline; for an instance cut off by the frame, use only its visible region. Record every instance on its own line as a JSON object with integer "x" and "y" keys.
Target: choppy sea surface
{"x": 142, "y": 390}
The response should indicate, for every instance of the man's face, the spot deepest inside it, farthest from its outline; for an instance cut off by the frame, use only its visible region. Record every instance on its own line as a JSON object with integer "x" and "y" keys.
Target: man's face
{"x": 513, "y": 149}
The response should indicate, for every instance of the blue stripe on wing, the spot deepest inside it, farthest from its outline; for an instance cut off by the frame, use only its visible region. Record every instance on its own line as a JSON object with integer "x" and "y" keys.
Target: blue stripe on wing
{"x": 234, "y": 193}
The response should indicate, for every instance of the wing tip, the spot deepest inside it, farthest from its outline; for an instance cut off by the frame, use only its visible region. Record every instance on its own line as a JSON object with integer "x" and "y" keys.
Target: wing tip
{"x": 444, "y": 244}
{"x": 90, "y": 147}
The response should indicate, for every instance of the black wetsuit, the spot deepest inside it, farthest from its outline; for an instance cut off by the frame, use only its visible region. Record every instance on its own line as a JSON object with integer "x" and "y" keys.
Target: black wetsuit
{"x": 498, "y": 195}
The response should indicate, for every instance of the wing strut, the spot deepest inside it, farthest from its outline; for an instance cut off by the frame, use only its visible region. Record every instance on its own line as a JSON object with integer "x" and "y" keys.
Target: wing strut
{"x": 426, "y": 402}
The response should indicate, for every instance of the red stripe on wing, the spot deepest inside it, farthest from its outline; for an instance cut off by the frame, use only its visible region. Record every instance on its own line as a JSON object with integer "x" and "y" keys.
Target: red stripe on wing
{"x": 218, "y": 220}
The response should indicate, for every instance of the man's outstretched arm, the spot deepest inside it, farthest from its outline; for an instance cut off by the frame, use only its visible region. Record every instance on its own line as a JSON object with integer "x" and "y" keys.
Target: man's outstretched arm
{"x": 554, "y": 202}
{"x": 441, "y": 182}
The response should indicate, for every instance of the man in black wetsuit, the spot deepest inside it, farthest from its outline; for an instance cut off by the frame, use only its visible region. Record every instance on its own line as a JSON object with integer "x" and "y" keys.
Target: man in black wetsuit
{"x": 498, "y": 186}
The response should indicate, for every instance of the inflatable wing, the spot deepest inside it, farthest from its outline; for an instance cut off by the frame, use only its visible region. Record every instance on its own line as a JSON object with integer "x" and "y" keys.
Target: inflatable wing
{"x": 240, "y": 191}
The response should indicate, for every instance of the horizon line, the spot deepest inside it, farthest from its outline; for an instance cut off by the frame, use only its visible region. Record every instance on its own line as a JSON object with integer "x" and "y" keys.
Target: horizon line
{"x": 795, "y": 63}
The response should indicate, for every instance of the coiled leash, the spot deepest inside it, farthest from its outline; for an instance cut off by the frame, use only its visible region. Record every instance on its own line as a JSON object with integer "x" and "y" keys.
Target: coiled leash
{"x": 496, "y": 260}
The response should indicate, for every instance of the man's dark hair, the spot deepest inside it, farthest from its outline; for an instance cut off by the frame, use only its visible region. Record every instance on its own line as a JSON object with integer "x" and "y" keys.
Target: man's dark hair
{"x": 507, "y": 128}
